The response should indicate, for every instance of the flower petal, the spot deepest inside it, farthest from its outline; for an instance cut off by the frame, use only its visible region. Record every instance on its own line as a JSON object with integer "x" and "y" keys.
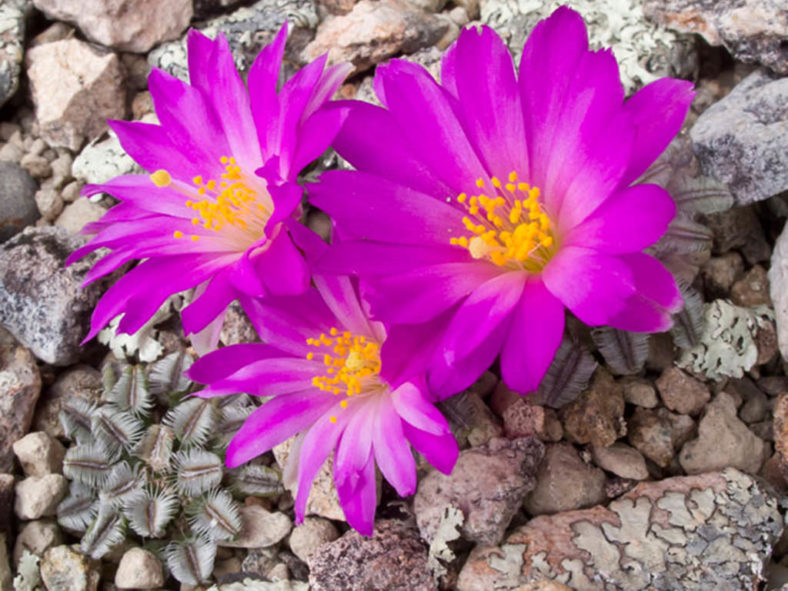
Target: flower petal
{"x": 358, "y": 497}
{"x": 282, "y": 267}
{"x": 439, "y": 450}
{"x": 392, "y": 450}
{"x": 411, "y": 405}
{"x": 654, "y": 281}
{"x": 227, "y": 360}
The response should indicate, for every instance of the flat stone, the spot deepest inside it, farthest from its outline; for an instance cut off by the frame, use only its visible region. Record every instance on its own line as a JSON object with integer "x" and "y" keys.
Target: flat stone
{"x": 17, "y": 194}
{"x": 76, "y": 87}
{"x": 38, "y": 496}
{"x": 778, "y": 288}
{"x": 310, "y": 535}
{"x": 81, "y": 381}
{"x": 37, "y": 537}
{"x": 259, "y": 528}
{"x": 394, "y": 558}
{"x": 723, "y": 440}
{"x": 43, "y": 305}
{"x": 139, "y": 569}
{"x": 20, "y": 386}
{"x": 742, "y": 140}
{"x": 125, "y": 25}
{"x": 754, "y": 32}
{"x": 622, "y": 460}
{"x": 597, "y": 415}
{"x": 564, "y": 482}
{"x": 487, "y": 484}
{"x": 681, "y": 392}
{"x": 39, "y": 453}
{"x": 374, "y": 31}
{"x": 64, "y": 568}
{"x": 12, "y": 38}
{"x": 711, "y": 531}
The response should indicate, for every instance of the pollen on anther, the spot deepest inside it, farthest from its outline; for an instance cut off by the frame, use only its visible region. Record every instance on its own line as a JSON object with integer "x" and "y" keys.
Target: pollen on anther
{"x": 195, "y": 238}
{"x": 161, "y": 178}
{"x": 480, "y": 183}
{"x": 332, "y": 419}
{"x": 177, "y": 234}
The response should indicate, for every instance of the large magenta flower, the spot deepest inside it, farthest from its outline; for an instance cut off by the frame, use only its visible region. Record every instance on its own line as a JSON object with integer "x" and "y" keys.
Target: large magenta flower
{"x": 321, "y": 364}
{"x": 216, "y": 210}
{"x": 482, "y": 207}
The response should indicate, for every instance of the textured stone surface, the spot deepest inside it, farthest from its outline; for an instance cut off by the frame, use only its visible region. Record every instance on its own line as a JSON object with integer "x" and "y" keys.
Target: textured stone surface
{"x": 743, "y": 139}
{"x": 639, "y": 392}
{"x": 39, "y": 453}
{"x": 310, "y": 535}
{"x": 38, "y": 496}
{"x": 43, "y": 305}
{"x": 374, "y": 31}
{"x": 102, "y": 160}
{"x": 565, "y": 482}
{"x": 711, "y": 531}
{"x": 17, "y": 194}
{"x": 658, "y": 434}
{"x": 621, "y": 460}
{"x": 723, "y": 440}
{"x": 778, "y": 288}
{"x": 752, "y": 289}
{"x": 394, "y": 558}
{"x": 681, "y": 392}
{"x": 139, "y": 569}
{"x": 7, "y": 485}
{"x": 12, "y": 38}
{"x": 76, "y": 87}
{"x": 487, "y": 484}
{"x": 597, "y": 415}
{"x": 720, "y": 273}
{"x": 20, "y": 386}
{"x": 37, "y": 537}
{"x": 259, "y": 528}
{"x": 78, "y": 214}
{"x": 126, "y": 25}
{"x": 751, "y": 31}
{"x": 66, "y": 568}
{"x": 781, "y": 432}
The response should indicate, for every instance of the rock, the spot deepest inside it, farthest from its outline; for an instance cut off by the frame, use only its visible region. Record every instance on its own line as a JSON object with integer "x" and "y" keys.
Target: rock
{"x": 38, "y": 496}
{"x": 523, "y": 419}
{"x": 719, "y": 274}
{"x": 723, "y": 440}
{"x": 739, "y": 228}
{"x": 81, "y": 381}
{"x": 755, "y": 408}
{"x": 39, "y": 454}
{"x": 125, "y": 25}
{"x": 247, "y": 30}
{"x": 781, "y": 431}
{"x": 6, "y": 574}
{"x": 50, "y": 204}
{"x": 657, "y": 434}
{"x": 487, "y": 484}
{"x": 597, "y": 415}
{"x": 260, "y": 528}
{"x": 37, "y": 537}
{"x": 64, "y": 568}
{"x": 61, "y": 169}
{"x": 681, "y": 392}
{"x": 374, "y": 31}
{"x": 471, "y": 420}
{"x": 12, "y": 38}
{"x": 639, "y": 392}
{"x": 564, "y": 482}
{"x": 260, "y": 561}
{"x": 394, "y": 558}
{"x": 7, "y": 485}
{"x": 778, "y": 288}
{"x": 752, "y": 32}
{"x": 43, "y": 305}
{"x": 79, "y": 214}
{"x": 102, "y": 160}
{"x": 139, "y": 569}
{"x": 20, "y": 386}
{"x": 70, "y": 192}
{"x": 621, "y": 460}
{"x": 37, "y": 166}
{"x": 76, "y": 88}
{"x": 237, "y": 328}
{"x": 661, "y": 352}
{"x": 17, "y": 191}
{"x": 742, "y": 139}
{"x": 711, "y": 531}
{"x": 752, "y": 289}
{"x": 306, "y": 538}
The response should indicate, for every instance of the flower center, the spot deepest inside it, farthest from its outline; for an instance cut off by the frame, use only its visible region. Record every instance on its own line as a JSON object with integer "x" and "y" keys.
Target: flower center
{"x": 237, "y": 205}
{"x": 508, "y": 227}
{"x": 352, "y": 369}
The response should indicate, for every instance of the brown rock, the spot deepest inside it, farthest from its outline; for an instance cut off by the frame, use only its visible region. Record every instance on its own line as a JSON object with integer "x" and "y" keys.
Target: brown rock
{"x": 37, "y": 537}
{"x": 374, "y": 31}
{"x": 681, "y": 392}
{"x": 752, "y": 289}
{"x": 781, "y": 429}
{"x": 712, "y": 531}
{"x": 597, "y": 415}
{"x": 39, "y": 453}
{"x": 523, "y": 419}
{"x": 81, "y": 381}
{"x": 621, "y": 460}
{"x": 471, "y": 419}
{"x": 394, "y": 558}
{"x": 639, "y": 391}
{"x": 720, "y": 273}
{"x": 565, "y": 482}
{"x": 75, "y": 88}
{"x": 126, "y": 25}
{"x": 657, "y": 434}
{"x": 7, "y": 488}
{"x": 237, "y": 328}
{"x": 79, "y": 214}
{"x": 487, "y": 484}
{"x": 64, "y": 567}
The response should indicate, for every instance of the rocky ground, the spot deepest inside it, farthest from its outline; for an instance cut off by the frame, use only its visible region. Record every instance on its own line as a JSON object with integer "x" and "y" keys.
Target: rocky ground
{"x": 644, "y": 463}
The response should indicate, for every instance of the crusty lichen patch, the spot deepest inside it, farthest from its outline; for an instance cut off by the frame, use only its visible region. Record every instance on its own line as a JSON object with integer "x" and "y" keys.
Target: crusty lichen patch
{"x": 710, "y": 531}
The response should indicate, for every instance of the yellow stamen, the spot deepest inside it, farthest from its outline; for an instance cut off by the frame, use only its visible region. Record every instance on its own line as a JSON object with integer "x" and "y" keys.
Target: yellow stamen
{"x": 161, "y": 178}
{"x": 354, "y": 367}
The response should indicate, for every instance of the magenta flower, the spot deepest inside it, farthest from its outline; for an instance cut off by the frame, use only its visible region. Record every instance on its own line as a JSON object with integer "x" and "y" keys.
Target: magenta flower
{"x": 321, "y": 366}
{"x": 482, "y": 207}
{"x": 219, "y": 209}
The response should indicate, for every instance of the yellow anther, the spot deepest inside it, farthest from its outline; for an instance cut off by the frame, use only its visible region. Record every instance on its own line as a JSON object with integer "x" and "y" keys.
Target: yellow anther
{"x": 480, "y": 183}
{"x": 310, "y": 356}
{"x": 343, "y": 403}
{"x": 177, "y": 234}
{"x": 161, "y": 178}
{"x": 496, "y": 182}
{"x": 197, "y": 180}
{"x": 513, "y": 177}
{"x": 332, "y": 419}
{"x": 195, "y": 238}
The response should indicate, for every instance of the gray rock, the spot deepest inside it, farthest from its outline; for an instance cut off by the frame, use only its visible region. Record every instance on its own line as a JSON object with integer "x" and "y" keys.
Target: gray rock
{"x": 42, "y": 304}
{"x": 79, "y": 214}
{"x": 17, "y": 194}
{"x": 139, "y": 569}
{"x": 621, "y": 460}
{"x": 565, "y": 482}
{"x": 81, "y": 381}
{"x": 394, "y": 558}
{"x": 37, "y": 537}
{"x": 49, "y": 202}
{"x": 102, "y": 160}
{"x": 723, "y": 440}
{"x": 64, "y": 568}
{"x": 20, "y": 386}
{"x": 778, "y": 288}
{"x": 38, "y": 496}
{"x": 259, "y": 528}
{"x": 753, "y": 32}
{"x": 743, "y": 139}
{"x": 12, "y": 38}
{"x": 7, "y": 485}
{"x": 487, "y": 484}
{"x": 39, "y": 453}
{"x": 310, "y": 535}
{"x": 695, "y": 533}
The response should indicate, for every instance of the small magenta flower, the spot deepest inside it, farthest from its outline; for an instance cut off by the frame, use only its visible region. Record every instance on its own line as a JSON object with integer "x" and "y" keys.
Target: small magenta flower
{"x": 481, "y": 208}
{"x": 219, "y": 209}
{"x": 321, "y": 365}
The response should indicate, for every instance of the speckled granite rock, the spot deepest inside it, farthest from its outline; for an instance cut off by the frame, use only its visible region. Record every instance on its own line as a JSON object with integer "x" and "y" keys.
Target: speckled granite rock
{"x": 12, "y": 38}
{"x": 64, "y": 568}
{"x": 711, "y": 531}
{"x": 17, "y": 194}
